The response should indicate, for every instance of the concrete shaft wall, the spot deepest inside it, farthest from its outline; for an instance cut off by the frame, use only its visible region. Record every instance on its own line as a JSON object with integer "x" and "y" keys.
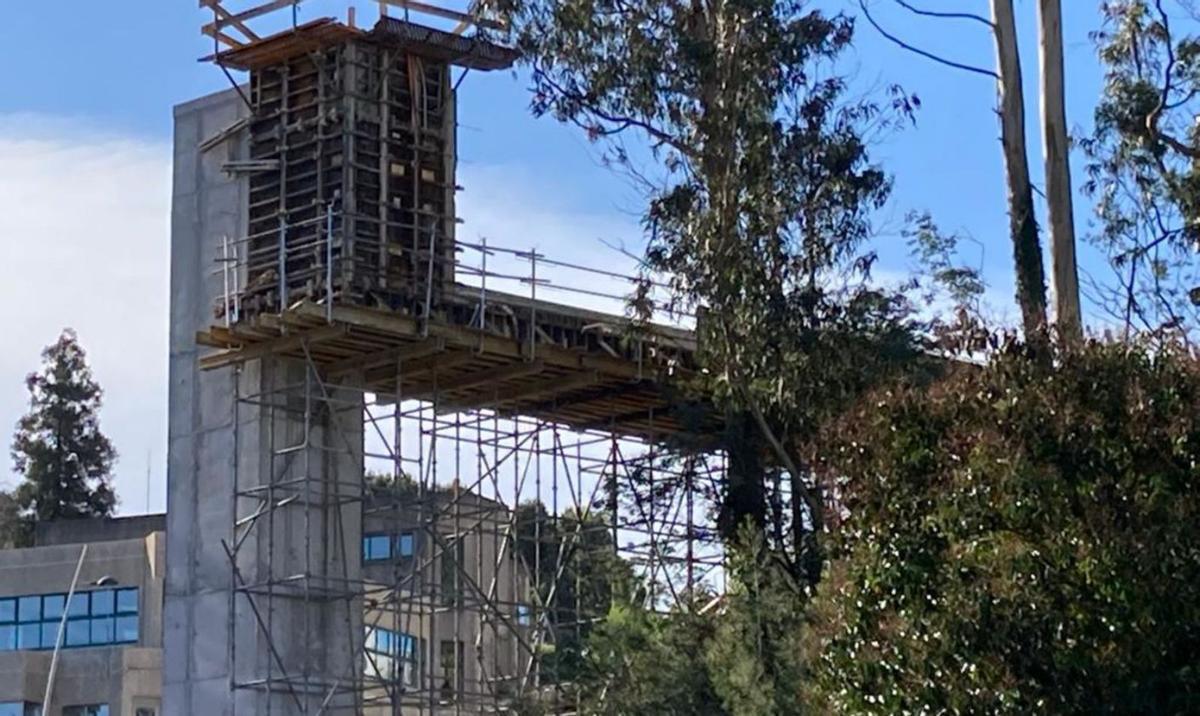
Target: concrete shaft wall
{"x": 308, "y": 454}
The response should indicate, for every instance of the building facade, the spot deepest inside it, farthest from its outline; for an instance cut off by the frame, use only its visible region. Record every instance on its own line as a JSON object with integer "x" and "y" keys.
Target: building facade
{"x": 109, "y": 634}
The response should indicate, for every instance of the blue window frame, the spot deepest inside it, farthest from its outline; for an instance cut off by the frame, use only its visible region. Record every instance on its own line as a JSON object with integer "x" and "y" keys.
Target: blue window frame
{"x": 20, "y": 708}
{"x": 406, "y": 544}
{"x": 94, "y": 618}
{"x": 393, "y": 655}
{"x": 376, "y": 548}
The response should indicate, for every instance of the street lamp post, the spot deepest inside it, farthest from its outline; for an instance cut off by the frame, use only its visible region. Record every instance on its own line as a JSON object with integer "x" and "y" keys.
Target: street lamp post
{"x": 104, "y": 581}
{"x": 62, "y": 627}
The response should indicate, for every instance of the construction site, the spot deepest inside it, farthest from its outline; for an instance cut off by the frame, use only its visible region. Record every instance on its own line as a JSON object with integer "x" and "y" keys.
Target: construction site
{"x": 396, "y": 455}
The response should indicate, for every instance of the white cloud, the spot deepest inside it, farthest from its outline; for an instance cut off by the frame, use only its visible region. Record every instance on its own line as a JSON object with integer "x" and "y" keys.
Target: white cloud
{"x": 84, "y": 226}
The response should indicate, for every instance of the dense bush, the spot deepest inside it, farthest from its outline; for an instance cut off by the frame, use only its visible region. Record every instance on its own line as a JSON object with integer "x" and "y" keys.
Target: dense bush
{"x": 1019, "y": 538}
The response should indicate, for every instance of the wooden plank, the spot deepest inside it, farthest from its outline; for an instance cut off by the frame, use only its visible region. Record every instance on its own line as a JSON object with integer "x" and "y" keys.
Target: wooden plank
{"x": 238, "y": 18}
{"x": 260, "y": 350}
{"x": 643, "y": 415}
{"x": 471, "y": 338}
{"x": 542, "y": 390}
{"x": 473, "y": 380}
{"x": 226, "y": 19}
{"x": 389, "y": 356}
{"x": 446, "y": 13}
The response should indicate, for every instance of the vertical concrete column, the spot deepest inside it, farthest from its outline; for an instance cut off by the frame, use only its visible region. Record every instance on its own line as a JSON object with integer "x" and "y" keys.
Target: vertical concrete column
{"x": 299, "y": 566}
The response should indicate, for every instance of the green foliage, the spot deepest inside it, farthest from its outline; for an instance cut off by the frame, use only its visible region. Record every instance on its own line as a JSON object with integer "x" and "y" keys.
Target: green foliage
{"x": 759, "y": 192}
{"x": 1144, "y": 165}
{"x": 738, "y": 654}
{"x": 578, "y": 575}
{"x": 58, "y": 447}
{"x": 639, "y": 662}
{"x": 763, "y": 186}
{"x": 755, "y": 658}
{"x": 1019, "y": 539}
{"x": 14, "y": 531}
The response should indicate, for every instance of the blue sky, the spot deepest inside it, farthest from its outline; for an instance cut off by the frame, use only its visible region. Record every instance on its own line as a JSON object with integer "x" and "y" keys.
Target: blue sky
{"x": 88, "y": 116}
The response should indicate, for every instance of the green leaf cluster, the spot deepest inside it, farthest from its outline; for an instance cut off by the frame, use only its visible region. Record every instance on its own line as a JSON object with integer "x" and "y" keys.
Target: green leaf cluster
{"x": 1021, "y": 538}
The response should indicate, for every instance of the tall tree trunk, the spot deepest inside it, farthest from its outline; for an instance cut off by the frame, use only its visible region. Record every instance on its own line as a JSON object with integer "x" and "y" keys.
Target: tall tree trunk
{"x": 1055, "y": 153}
{"x": 1027, "y": 248}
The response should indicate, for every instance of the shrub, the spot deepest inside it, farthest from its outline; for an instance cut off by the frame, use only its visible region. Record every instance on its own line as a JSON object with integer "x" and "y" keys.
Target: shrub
{"x": 1018, "y": 538}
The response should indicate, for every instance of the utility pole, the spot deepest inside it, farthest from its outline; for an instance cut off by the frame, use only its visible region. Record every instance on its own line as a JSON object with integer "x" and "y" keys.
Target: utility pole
{"x": 1056, "y": 154}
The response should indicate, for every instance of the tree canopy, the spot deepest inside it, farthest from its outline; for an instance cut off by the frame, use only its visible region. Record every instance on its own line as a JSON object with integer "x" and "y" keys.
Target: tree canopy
{"x": 58, "y": 448}
{"x": 1019, "y": 539}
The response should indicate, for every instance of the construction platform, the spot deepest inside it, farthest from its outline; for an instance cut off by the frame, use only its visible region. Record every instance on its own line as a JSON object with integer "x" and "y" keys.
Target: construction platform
{"x": 581, "y": 369}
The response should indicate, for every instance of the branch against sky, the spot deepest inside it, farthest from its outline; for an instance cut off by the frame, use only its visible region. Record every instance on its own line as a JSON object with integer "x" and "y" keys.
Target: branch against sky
{"x": 1023, "y": 231}
{"x": 1142, "y": 171}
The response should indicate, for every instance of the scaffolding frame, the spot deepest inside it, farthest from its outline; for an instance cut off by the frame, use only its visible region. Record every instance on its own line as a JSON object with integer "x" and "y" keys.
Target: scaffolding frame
{"x": 393, "y": 381}
{"x": 460, "y": 465}
{"x": 233, "y": 21}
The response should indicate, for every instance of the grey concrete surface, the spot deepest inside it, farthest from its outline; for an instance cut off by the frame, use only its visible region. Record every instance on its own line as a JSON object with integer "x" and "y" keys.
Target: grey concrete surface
{"x": 216, "y": 637}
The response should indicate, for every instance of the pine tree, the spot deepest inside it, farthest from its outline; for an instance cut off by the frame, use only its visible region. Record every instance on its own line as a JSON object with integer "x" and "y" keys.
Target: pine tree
{"x": 12, "y": 528}
{"x": 58, "y": 448}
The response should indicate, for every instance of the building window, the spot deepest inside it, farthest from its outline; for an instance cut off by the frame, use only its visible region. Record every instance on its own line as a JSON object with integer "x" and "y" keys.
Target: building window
{"x": 451, "y": 653}
{"x": 97, "y": 618}
{"x": 524, "y": 615}
{"x": 376, "y": 548}
{"x": 380, "y": 547}
{"x": 406, "y": 544}
{"x": 86, "y": 710}
{"x": 393, "y": 656}
{"x": 453, "y": 560}
{"x": 20, "y": 708}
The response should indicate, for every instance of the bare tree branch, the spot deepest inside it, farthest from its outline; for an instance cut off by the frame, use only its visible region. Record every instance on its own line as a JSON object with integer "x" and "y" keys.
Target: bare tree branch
{"x": 916, "y": 50}
{"x": 945, "y": 15}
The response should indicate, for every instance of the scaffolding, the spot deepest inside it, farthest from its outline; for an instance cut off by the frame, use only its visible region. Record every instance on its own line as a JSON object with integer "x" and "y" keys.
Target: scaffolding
{"x": 442, "y": 478}
{"x": 496, "y": 497}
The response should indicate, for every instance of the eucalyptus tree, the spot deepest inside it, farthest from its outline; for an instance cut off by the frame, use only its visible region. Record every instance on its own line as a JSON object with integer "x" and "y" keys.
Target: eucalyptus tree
{"x": 752, "y": 153}
{"x": 1144, "y": 168}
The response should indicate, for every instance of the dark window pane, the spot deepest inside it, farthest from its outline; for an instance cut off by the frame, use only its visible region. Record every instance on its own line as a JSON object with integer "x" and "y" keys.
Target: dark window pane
{"x": 52, "y": 605}
{"x": 89, "y": 710}
{"x": 79, "y": 632}
{"x": 29, "y": 636}
{"x": 8, "y": 610}
{"x": 50, "y": 634}
{"x": 102, "y": 630}
{"x": 102, "y": 602}
{"x": 127, "y": 630}
{"x": 8, "y": 638}
{"x": 127, "y": 601}
{"x": 79, "y": 605}
{"x": 29, "y": 609}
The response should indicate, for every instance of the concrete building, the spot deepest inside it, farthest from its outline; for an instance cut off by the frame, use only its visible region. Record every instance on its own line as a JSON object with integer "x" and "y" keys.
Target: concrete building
{"x": 110, "y": 659}
{"x": 416, "y": 609}
{"x": 427, "y": 586}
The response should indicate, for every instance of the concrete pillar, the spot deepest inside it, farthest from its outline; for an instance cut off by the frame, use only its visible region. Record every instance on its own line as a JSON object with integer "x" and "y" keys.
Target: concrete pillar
{"x": 299, "y": 438}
